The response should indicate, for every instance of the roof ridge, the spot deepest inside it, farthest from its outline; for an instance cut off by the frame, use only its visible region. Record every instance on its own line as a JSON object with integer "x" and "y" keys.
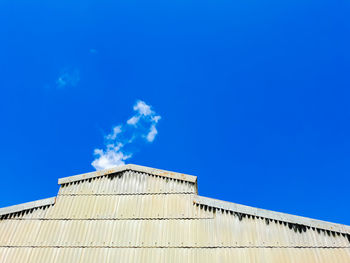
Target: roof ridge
{"x": 26, "y": 206}
{"x": 289, "y": 218}
{"x": 133, "y": 167}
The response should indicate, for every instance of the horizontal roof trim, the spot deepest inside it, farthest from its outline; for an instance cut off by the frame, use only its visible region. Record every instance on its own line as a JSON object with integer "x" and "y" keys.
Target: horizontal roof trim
{"x": 272, "y": 215}
{"x": 27, "y": 206}
{"x": 133, "y": 167}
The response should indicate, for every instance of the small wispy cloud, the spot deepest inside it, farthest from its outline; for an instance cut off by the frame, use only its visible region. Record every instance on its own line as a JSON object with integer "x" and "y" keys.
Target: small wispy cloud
{"x": 152, "y": 133}
{"x": 68, "y": 77}
{"x": 125, "y": 139}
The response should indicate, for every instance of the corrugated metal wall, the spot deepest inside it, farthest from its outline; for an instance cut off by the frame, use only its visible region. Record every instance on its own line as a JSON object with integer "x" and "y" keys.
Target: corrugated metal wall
{"x": 175, "y": 255}
{"x": 161, "y": 233}
{"x": 128, "y": 182}
{"x": 135, "y": 217}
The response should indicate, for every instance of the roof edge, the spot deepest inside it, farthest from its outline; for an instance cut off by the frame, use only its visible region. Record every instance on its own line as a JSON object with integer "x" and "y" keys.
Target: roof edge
{"x": 272, "y": 215}
{"x": 27, "y": 206}
{"x": 133, "y": 167}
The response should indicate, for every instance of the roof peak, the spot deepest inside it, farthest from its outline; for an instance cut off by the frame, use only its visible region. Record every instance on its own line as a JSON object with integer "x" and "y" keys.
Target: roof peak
{"x": 132, "y": 167}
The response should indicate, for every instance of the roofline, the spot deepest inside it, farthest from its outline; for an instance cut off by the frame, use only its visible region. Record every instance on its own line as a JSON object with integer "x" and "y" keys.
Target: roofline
{"x": 132, "y": 167}
{"x": 27, "y": 206}
{"x": 272, "y": 215}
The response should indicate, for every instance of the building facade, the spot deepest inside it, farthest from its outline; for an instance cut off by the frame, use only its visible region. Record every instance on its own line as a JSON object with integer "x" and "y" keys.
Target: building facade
{"x": 139, "y": 214}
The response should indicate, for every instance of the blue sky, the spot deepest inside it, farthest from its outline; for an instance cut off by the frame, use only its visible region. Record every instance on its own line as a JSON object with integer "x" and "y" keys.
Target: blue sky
{"x": 253, "y": 96}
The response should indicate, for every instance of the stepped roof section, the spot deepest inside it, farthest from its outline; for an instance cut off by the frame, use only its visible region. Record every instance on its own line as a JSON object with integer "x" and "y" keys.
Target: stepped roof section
{"x": 199, "y": 200}
{"x": 132, "y": 167}
{"x": 27, "y": 206}
{"x": 139, "y": 214}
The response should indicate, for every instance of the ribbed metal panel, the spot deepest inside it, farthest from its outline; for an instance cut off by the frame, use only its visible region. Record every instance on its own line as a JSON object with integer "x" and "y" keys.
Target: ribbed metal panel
{"x": 15, "y": 255}
{"x": 139, "y": 217}
{"x": 175, "y": 255}
{"x": 129, "y": 182}
{"x": 127, "y": 206}
{"x": 163, "y": 233}
{"x": 118, "y": 207}
{"x": 38, "y": 212}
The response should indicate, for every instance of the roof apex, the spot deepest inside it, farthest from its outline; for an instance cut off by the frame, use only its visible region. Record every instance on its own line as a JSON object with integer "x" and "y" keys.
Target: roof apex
{"x": 132, "y": 167}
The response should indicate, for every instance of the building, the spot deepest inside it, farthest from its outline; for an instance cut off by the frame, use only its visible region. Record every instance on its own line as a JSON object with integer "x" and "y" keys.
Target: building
{"x": 139, "y": 214}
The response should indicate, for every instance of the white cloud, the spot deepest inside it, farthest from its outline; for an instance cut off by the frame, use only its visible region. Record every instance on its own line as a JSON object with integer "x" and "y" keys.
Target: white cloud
{"x": 142, "y": 108}
{"x": 133, "y": 120}
{"x": 156, "y": 118}
{"x": 152, "y": 133}
{"x": 125, "y": 139}
{"x": 115, "y": 132}
{"x": 143, "y": 111}
{"x": 108, "y": 159}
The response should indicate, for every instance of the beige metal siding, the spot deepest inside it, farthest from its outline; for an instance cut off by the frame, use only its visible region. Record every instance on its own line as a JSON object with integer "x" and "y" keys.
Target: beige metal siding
{"x": 128, "y": 182}
{"x": 38, "y": 212}
{"x": 118, "y": 206}
{"x": 162, "y": 233}
{"x": 126, "y": 207}
{"x": 138, "y": 217}
{"x": 175, "y": 255}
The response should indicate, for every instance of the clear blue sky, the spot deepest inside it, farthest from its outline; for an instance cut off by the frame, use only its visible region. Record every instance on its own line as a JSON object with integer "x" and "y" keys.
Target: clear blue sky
{"x": 253, "y": 95}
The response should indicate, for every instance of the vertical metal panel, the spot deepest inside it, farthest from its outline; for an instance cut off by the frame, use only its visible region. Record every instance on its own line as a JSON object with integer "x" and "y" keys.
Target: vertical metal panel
{"x": 25, "y": 232}
{"x": 145, "y": 218}
{"x": 42, "y": 255}
{"x": 126, "y": 207}
{"x": 7, "y": 229}
{"x": 67, "y": 254}
{"x": 16, "y": 255}
{"x": 169, "y": 255}
{"x": 3, "y": 253}
{"x": 155, "y": 233}
{"x": 127, "y": 183}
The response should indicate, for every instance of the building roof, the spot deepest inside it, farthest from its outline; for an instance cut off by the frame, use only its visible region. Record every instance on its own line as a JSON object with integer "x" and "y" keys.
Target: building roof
{"x": 27, "y": 206}
{"x": 283, "y": 217}
{"x": 127, "y": 167}
{"x": 139, "y": 214}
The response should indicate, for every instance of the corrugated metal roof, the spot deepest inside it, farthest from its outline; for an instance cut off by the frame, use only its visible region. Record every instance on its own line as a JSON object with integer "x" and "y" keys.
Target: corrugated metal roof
{"x": 27, "y": 206}
{"x": 128, "y": 182}
{"x": 139, "y": 216}
{"x": 131, "y": 167}
{"x": 121, "y": 207}
{"x": 304, "y": 221}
